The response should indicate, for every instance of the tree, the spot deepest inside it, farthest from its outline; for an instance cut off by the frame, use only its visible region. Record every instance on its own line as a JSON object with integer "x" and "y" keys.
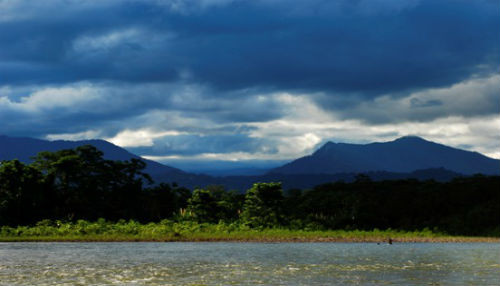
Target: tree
{"x": 22, "y": 195}
{"x": 162, "y": 201}
{"x": 86, "y": 186}
{"x": 203, "y": 206}
{"x": 263, "y": 205}
{"x": 229, "y": 203}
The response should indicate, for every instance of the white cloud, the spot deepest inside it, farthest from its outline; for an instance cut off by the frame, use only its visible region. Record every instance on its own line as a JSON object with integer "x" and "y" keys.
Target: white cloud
{"x": 480, "y": 134}
{"x": 49, "y": 98}
{"x": 140, "y": 138}
{"x": 298, "y": 125}
{"x": 107, "y": 42}
{"x": 231, "y": 156}
{"x": 306, "y": 125}
{"x": 475, "y": 97}
{"x": 85, "y": 135}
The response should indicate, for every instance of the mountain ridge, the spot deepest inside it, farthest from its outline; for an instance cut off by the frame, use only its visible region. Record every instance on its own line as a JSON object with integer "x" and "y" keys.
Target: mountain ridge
{"x": 404, "y": 154}
{"x": 23, "y": 148}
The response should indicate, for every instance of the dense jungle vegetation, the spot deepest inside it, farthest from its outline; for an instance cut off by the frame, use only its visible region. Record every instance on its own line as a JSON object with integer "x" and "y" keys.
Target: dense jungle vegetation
{"x": 72, "y": 187}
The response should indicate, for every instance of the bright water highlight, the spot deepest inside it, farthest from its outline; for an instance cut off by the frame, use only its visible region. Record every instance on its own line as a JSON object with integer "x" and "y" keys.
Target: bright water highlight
{"x": 249, "y": 264}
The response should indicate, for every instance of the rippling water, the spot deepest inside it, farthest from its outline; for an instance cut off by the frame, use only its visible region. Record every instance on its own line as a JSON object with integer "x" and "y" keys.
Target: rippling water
{"x": 248, "y": 264}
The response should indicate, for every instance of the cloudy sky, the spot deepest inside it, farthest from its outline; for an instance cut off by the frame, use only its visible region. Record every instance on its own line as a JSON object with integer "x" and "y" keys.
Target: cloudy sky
{"x": 185, "y": 80}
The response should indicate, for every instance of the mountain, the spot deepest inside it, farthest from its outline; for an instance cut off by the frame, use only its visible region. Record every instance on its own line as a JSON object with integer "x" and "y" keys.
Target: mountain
{"x": 231, "y": 172}
{"x": 404, "y": 155}
{"x": 407, "y": 157}
{"x": 23, "y": 149}
{"x": 221, "y": 168}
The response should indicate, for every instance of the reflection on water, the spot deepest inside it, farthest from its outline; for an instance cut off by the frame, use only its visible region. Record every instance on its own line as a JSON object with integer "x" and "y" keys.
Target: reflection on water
{"x": 248, "y": 264}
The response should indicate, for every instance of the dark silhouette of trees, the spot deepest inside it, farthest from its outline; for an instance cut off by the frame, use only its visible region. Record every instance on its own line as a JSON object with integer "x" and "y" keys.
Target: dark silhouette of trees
{"x": 462, "y": 206}
{"x": 214, "y": 204}
{"x": 203, "y": 206}
{"x": 23, "y": 196}
{"x": 71, "y": 184}
{"x": 163, "y": 201}
{"x": 79, "y": 184}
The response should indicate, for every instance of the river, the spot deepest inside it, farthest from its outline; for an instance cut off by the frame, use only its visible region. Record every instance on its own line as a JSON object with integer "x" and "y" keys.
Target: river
{"x": 224, "y": 263}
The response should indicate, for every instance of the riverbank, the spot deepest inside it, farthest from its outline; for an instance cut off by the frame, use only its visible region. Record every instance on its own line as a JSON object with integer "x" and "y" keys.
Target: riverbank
{"x": 170, "y": 231}
{"x": 262, "y": 239}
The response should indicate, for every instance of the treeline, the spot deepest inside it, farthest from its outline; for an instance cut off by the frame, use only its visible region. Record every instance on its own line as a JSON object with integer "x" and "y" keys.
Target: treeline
{"x": 71, "y": 185}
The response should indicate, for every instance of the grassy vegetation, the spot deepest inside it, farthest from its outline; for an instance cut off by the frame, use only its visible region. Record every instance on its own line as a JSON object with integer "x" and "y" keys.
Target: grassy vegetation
{"x": 167, "y": 230}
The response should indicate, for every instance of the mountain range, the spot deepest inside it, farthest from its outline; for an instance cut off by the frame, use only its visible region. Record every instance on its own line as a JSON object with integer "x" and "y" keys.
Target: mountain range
{"x": 406, "y": 157}
{"x": 405, "y": 154}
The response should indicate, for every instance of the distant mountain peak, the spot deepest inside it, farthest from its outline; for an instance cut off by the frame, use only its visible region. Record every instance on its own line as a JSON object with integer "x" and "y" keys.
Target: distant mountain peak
{"x": 325, "y": 148}
{"x": 404, "y": 154}
{"x": 409, "y": 137}
{"x": 330, "y": 145}
{"x": 413, "y": 138}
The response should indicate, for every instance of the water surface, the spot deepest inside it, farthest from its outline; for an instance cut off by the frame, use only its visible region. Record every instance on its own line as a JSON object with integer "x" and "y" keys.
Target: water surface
{"x": 249, "y": 264}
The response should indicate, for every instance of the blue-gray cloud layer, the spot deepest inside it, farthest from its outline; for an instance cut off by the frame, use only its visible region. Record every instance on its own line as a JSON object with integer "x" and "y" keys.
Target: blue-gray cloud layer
{"x": 212, "y": 68}
{"x": 350, "y": 46}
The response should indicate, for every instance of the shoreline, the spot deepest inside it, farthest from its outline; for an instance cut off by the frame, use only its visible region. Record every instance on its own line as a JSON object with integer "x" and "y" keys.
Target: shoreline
{"x": 189, "y": 231}
{"x": 259, "y": 239}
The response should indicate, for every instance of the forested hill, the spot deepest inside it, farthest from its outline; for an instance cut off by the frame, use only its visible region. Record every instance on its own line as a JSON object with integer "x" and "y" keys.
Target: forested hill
{"x": 405, "y": 154}
{"x": 24, "y": 148}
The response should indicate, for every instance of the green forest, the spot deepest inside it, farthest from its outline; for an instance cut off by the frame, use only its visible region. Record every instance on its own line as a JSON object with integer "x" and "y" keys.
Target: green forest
{"x": 75, "y": 187}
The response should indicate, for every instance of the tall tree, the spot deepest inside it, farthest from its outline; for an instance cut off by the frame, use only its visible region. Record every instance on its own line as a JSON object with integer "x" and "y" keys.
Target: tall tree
{"x": 22, "y": 193}
{"x": 263, "y": 205}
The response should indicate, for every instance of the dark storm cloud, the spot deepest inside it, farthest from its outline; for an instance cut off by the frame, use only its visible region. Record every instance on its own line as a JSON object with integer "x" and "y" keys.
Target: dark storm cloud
{"x": 348, "y": 46}
{"x": 218, "y": 71}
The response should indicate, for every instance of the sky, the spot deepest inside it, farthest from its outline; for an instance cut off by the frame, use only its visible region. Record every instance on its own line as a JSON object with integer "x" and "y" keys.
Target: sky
{"x": 185, "y": 81}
